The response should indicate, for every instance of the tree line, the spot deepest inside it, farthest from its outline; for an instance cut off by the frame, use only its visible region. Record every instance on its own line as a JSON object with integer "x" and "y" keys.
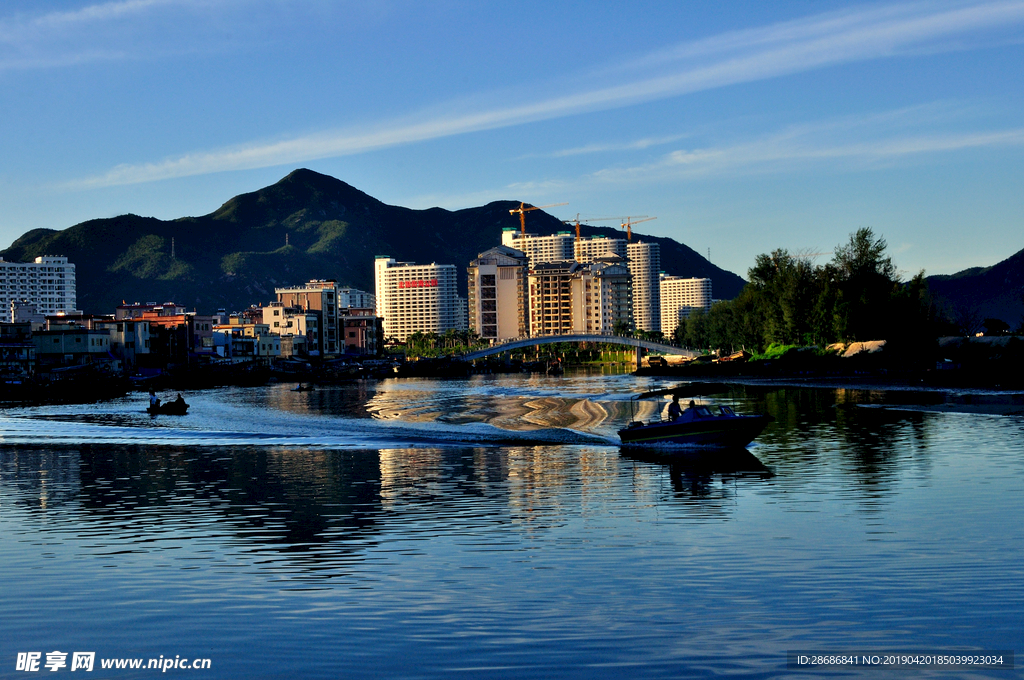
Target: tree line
{"x": 789, "y": 300}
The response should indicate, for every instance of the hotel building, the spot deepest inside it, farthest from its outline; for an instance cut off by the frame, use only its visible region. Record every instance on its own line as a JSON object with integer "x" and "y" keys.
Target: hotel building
{"x": 415, "y": 298}
{"x": 48, "y": 282}
{"x": 679, "y": 297}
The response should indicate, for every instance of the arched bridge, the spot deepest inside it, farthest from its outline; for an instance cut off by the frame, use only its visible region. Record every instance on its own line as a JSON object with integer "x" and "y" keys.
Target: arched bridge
{"x": 636, "y": 343}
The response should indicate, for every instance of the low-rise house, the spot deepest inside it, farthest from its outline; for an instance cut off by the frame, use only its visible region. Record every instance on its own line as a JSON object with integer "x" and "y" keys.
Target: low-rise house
{"x": 129, "y": 338}
{"x": 17, "y": 351}
{"x": 362, "y": 330}
{"x": 73, "y": 346}
{"x": 299, "y": 325}
{"x": 267, "y": 348}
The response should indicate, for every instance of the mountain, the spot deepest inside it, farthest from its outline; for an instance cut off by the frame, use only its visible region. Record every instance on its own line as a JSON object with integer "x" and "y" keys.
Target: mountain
{"x": 990, "y": 292}
{"x": 306, "y": 226}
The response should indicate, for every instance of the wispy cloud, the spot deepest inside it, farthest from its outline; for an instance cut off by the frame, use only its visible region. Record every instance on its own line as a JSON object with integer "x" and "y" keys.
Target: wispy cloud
{"x": 800, "y": 147}
{"x": 781, "y": 154}
{"x": 105, "y": 31}
{"x": 731, "y": 58}
{"x": 610, "y": 147}
{"x": 850, "y": 142}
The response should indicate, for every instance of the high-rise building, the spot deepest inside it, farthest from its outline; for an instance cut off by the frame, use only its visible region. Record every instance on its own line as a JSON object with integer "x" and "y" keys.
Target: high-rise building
{"x": 611, "y": 295}
{"x": 48, "y": 282}
{"x": 645, "y": 266}
{"x": 322, "y": 296}
{"x": 588, "y": 248}
{"x": 679, "y": 297}
{"x": 550, "y": 307}
{"x": 538, "y": 249}
{"x": 416, "y": 297}
{"x": 569, "y": 297}
{"x": 497, "y": 294}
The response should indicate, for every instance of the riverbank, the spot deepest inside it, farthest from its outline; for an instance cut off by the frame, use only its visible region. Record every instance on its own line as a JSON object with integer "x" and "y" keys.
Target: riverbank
{"x": 882, "y": 393}
{"x": 951, "y": 363}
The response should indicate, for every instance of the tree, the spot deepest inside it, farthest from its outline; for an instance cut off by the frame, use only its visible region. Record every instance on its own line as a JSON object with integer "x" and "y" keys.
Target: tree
{"x": 696, "y": 330}
{"x": 996, "y": 327}
{"x": 967, "y": 319}
{"x": 866, "y": 279}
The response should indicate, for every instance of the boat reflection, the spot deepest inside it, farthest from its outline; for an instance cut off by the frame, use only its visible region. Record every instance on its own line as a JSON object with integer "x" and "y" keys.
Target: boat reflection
{"x": 708, "y": 461}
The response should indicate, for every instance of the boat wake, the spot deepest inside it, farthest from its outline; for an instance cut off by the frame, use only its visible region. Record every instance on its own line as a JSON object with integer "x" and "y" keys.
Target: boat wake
{"x": 276, "y": 430}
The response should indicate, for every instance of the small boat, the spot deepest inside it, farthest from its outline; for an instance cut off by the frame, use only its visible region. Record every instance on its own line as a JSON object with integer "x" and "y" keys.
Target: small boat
{"x": 171, "y": 408}
{"x": 698, "y": 426}
{"x": 300, "y": 388}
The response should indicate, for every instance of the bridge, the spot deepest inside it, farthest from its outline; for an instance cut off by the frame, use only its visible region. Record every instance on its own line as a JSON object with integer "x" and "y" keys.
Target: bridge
{"x": 636, "y": 343}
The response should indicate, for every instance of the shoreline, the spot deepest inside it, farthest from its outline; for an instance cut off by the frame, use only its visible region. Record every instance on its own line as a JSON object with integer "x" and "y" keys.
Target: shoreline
{"x": 899, "y": 394}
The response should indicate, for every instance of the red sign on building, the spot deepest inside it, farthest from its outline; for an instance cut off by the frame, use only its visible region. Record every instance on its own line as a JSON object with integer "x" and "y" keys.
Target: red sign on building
{"x": 418, "y": 283}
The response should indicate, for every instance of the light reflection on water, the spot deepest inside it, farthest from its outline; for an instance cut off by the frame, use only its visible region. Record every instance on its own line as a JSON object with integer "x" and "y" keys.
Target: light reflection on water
{"x": 289, "y": 534}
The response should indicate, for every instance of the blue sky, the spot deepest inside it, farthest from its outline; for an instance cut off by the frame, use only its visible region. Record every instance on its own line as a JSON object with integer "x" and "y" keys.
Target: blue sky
{"x": 743, "y": 126}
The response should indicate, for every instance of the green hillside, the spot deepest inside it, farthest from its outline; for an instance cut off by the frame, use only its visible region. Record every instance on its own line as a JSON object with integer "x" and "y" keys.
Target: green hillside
{"x": 306, "y": 226}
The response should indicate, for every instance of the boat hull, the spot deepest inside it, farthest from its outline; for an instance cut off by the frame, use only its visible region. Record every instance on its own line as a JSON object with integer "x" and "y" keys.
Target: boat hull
{"x": 716, "y": 432}
{"x": 169, "y": 409}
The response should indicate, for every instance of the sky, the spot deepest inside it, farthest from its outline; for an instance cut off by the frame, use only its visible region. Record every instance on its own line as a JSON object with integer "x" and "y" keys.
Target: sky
{"x": 743, "y": 127}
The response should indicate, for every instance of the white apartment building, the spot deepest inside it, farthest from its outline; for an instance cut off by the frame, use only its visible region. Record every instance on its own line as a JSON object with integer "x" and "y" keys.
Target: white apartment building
{"x": 538, "y": 249}
{"x": 497, "y": 294}
{"x": 415, "y": 298}
{"x": 587, "y": 249}
{"x": 645, "y": 266}
{"x": 679, "y": 297}
{"x": 48, "y": 282}
{"x": 353, "y": 298}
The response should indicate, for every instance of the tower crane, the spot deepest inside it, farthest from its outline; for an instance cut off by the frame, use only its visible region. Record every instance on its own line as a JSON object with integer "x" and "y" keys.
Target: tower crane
{"x": 628, "y": 225}
{"x": 588, "y": 220}
{"x": 522, "y": 210}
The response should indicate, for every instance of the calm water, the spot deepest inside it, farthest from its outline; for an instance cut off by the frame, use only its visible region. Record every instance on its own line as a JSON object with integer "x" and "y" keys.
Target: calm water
{"x": 493, "y": 528}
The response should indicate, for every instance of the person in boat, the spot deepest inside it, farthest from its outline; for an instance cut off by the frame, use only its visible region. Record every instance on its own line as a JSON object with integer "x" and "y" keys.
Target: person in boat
{"x": 179, "y": 401}
{"x": 674, "y": 410}
{"x": 154, "y": 401}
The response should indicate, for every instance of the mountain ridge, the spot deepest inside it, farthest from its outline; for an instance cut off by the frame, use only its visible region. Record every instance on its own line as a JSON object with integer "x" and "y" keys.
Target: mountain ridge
{"x": 990, "y": 292}
{"x": 305, "y": 226}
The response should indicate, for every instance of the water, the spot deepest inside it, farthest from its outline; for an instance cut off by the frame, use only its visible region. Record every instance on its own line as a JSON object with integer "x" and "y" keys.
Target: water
{"x": 493, "y": 528}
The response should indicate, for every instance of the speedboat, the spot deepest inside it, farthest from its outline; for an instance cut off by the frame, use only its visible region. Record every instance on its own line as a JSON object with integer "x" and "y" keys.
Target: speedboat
{"x": 698, "y": 426}
{"x": 178, "y": 407}
{"x": 169, "y": 409}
